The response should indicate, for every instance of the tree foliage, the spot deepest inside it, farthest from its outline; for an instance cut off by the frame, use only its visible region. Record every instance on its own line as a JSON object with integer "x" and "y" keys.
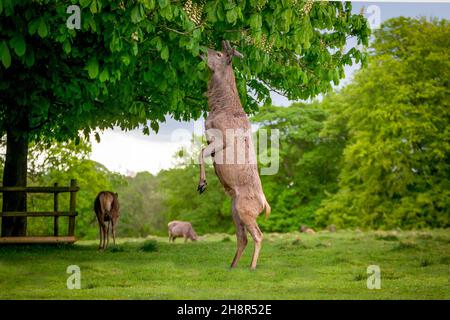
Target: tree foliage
{"x": 142, "y": 206}
{"x": 396, "y": 118}
{"x": 309, "y": 165}
{"x": 134, "y": 61}
{"x": 130, "y": 63}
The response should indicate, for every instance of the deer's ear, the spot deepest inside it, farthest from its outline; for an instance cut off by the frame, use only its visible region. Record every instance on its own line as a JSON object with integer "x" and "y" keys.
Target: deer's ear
{"x": 226, "y": 47}
{"x": 234, "y": 53}
{"x": 237, "y": 54}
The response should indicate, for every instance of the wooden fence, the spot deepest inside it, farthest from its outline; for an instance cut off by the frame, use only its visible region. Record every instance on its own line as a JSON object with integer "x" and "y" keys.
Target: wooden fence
{"x": 56, "y": 214}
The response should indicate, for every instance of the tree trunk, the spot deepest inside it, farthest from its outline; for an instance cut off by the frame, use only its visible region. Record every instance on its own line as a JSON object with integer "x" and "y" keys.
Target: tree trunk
{"x": 15, "y": 174}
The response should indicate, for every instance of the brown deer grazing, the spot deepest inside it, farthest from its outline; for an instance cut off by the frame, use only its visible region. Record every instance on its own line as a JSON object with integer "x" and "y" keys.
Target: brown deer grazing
{"x": 239, "y": 177}
{"x": 107, "y": 209}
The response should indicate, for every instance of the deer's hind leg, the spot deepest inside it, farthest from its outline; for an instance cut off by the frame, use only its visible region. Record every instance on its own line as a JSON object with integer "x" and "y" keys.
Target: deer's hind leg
{"x": 102, "y": 231}
{"x": 101, "y": 236}
{"x": 257, "y": 235}
{"x": 240, "y": 235}
{"x": 248, "y": 210}
{"x": 113, "y": 230}
{"x": 104, "y": 235}
{"x": 107, "y": 234}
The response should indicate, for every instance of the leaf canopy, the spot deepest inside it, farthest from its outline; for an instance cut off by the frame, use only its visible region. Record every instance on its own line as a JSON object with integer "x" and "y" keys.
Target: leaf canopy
{"x": 134, "y": 62}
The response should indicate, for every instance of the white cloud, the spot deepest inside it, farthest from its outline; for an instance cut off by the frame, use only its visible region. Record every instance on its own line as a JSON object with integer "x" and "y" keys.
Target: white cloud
{"x": 132, "y": 153}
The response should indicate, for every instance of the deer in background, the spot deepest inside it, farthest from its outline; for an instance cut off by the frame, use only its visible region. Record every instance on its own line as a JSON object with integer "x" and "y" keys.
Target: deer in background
{"x": 107, "y": 209}
{"x": 239, "y": 179}
{"x": 181, "y": 229}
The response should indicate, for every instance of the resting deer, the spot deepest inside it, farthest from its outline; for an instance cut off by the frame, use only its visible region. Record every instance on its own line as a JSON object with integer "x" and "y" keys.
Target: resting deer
{"x": 107, "y": 209}
{"x": 239, "y": 177}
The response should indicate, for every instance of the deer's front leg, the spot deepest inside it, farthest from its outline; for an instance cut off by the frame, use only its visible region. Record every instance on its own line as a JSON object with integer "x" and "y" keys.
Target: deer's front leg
{"x": 202, "y": 182}
{"x": 206, "y": 152}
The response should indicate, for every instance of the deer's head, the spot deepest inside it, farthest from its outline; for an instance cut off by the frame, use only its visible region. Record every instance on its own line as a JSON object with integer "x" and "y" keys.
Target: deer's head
{"x": 192, "y": 235}
{"x": 219, "y": 60}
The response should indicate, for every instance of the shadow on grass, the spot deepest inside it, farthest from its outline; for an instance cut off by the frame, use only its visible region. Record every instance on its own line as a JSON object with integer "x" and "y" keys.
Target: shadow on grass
{"x": 405, "y": 245}
{"x": 17, "y": 248}
{"x": 147, "y": 246}
{"x": 425, "y": 262}
{"x": 360, "y": 277}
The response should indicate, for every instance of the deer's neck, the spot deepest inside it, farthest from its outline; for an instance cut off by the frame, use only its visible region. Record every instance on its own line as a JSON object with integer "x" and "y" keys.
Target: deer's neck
{"x": 222, "y": 92}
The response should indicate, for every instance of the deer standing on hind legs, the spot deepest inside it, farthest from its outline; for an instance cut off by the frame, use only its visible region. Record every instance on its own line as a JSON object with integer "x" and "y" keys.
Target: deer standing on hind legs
{"x": 107, "y": 209}
{"x": 228, "y": 132}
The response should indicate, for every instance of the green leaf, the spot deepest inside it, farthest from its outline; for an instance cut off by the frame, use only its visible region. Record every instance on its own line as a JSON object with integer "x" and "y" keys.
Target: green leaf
{"x": 232, "y": 16}
{"x": 18, "y": 44}
{"x": 5, "y": 55}
{"x": 125, "y": 59}
{"x": 116, "y": 43}
{"x": 92, "y": 23}
{"x": 166, "y": 12}
{"x": 135, "y": 49}
{"x": 149, "y": 4}
{"x": 155, "y": 126}
{"x": 136, "y": 14}
{"x": 85, "y": 3}
{"x": 201, "y": 65}
{"x": 104, "y": 75}
{"x": 163, "y": 3}
{"x": 93, "y": 7}
{"x": 220, "y": 13}
{"x": 165, "y": 53}
{"x": 228, "y": 5}
{"x": 33, "y": 26}
{"x": 29, "y": 58}
{"x": 157, "y": 42}
{"x": 42, "y": 29}
{"x": 92, "y": 67}
{"x": 255, "y": 21}
{"x": 67, "y": 47}
{"x": 211, "y": 9}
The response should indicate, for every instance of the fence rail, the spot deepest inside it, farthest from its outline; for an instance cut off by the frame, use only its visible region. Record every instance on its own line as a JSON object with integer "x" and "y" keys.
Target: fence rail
{"x": 38, "y": 214}
{"x": 54, "y": 189}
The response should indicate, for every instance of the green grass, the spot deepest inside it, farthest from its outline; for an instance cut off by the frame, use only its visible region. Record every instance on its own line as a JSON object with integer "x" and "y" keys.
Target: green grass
{"x": 414, "y": 265}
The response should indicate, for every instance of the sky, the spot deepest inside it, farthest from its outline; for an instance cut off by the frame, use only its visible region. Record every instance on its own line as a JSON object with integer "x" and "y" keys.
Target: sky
{"x": 132, "y": 151}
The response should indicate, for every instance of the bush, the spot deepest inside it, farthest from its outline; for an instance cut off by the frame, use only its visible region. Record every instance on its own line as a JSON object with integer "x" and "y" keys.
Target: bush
{"x": 149, "y": 246}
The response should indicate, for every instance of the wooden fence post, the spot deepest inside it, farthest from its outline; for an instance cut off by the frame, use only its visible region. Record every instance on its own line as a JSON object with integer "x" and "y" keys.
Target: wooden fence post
{"x": 55, "y": 209}
{"x": 73, "y": 202}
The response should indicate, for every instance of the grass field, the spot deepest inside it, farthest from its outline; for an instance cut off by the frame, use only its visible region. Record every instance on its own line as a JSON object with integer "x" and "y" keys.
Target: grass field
{"x": 414, "y": 265}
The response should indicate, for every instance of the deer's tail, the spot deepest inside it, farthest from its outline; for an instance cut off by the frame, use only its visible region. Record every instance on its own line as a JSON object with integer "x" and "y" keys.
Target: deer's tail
{"x": 101, "y": 206}
{"x": 266, "y": 208}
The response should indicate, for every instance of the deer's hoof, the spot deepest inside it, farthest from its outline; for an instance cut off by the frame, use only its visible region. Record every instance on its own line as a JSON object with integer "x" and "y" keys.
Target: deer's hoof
{"x": 201, "y": 187}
